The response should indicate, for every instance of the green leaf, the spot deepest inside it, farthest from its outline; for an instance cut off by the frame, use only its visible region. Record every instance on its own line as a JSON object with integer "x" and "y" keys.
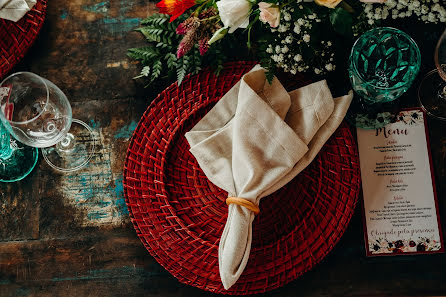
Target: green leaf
{"x": 171, "y": 60}
{"x": 156, "y": 18}
{"x": 144, "y": 72}
{"x": 156, "y": 69}
{"x": 144, "y": 53}
{"x": 341, "y": 21}
{"x": 182, "y": 69}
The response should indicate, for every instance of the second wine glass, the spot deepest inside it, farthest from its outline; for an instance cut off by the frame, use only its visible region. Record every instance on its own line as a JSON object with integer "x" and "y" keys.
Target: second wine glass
{"x": 432, "y": 90}
{"x": 41, "y": 117}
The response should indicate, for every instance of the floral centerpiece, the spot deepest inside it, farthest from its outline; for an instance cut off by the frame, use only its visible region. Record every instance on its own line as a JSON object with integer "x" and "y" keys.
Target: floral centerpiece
{"x": 291, "y": 35}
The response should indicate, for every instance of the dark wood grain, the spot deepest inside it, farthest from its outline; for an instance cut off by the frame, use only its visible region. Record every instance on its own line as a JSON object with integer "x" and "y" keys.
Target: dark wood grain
{"x": 70, "y": 235}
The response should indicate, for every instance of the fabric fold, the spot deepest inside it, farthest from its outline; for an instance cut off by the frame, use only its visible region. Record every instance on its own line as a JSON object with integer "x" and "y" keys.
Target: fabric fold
{"x": 254, "y": 141}
{"x": 14, "y": 10}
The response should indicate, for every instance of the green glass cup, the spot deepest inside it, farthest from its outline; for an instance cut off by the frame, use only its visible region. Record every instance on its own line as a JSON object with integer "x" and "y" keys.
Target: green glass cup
{"x": 16, "y": 159}
{"x": 383, "y": 64}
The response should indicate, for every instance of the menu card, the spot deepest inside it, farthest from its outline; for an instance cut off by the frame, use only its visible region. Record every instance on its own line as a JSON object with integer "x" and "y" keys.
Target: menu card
{"x": 400, "y": 204}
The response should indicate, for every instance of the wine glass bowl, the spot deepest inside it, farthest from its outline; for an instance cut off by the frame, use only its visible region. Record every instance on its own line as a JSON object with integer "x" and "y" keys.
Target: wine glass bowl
{"x": 40, "y": 112}
{"x": 432, "y": 90}
{"x": 440, "y": 56}
{"x": 383, "y": 63}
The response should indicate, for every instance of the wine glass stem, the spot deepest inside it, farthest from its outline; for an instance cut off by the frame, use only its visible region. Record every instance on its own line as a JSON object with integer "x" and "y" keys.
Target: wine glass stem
{"x": 66, "y": 145}
{"x": 5, "y": 143}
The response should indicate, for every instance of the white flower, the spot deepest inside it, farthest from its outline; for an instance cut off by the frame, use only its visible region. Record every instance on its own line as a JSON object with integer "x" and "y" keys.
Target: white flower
{"x": 329, "y": 43}
{"x": 282, "y": 28}
{"x": 296, "y": 28}
{"x": 234, "y": 13}
{"x": 317, "y": 71}
{"x": 285, "y": 49}
{"x": 289, "y": 39}
{"x": 298, "y": 58}
{"x": 329, "y": 67}
{"x": 277, "y": 49}
{"x": 306, "y": 38}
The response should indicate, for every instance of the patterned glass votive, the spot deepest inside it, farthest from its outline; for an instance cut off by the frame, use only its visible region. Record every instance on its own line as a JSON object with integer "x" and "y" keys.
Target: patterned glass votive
{"x": 383, "y": 64}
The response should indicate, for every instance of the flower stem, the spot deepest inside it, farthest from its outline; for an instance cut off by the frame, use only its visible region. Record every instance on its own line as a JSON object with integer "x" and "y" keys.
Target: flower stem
{"x": 211, "y": 18}
{"x": 248, "y": 43}
{"x": 199, "y": 8}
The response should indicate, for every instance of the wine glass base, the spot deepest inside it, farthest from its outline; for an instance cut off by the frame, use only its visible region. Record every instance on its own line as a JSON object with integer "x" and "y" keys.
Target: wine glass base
{"x": 74, "y": 151}
{"x": 19, "y": 164}
{"x": 431, "y": 97}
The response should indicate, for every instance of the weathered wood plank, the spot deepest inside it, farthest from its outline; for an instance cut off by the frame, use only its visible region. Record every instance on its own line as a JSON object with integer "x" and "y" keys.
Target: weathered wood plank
{"x": 69, "y": 235}
{"x": 19, "y": 209}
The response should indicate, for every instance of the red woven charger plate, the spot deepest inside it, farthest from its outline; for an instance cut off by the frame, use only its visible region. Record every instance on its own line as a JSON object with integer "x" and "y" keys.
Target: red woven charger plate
{"x": 179, "y": 215}
{"x": 17, "y": 37}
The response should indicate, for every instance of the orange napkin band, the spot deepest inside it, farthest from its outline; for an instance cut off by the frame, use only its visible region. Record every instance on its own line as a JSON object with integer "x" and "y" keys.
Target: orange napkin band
{"x": 243, "y": 202}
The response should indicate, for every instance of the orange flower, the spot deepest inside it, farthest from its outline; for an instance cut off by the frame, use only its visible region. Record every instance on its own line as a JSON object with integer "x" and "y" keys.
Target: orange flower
{"x": 174, "y": 8}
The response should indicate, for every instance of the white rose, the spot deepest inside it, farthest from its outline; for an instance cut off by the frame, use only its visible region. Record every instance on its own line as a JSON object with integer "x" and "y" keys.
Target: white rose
{"x": 234, "y": 13}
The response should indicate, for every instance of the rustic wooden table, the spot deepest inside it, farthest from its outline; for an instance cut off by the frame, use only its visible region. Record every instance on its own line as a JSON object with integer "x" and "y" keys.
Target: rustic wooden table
{"x": 70, "y": 235}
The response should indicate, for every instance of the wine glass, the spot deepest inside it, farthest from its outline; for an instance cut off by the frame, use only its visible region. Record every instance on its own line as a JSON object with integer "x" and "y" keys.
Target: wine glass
{"x": 383, "y": 64}
{"x": 38, "y": 114}
{"x": 432, "y": 90}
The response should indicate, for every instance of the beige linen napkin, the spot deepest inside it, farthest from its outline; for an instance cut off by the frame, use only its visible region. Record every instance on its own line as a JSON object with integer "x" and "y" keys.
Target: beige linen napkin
{"x": 256, "y": 139}
{"x": 14, "y": 10}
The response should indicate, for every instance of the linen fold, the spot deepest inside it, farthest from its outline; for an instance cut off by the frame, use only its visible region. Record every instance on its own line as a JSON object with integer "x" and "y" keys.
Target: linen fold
{"x": 256, "y": 139}
{"x": 14, "y": 10}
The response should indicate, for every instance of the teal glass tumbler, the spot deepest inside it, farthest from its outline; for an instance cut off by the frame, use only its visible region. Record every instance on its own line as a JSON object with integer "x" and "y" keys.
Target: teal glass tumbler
{"x": 16, "y": 159}
{"x": 382, "y": 66}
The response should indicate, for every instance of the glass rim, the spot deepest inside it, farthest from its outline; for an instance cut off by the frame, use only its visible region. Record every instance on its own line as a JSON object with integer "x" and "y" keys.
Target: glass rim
{"x": 391, "y": 29}
{"x": 47, "y": 96}
{"x": 437, "y": 49}
{"x": 437, "y": 117}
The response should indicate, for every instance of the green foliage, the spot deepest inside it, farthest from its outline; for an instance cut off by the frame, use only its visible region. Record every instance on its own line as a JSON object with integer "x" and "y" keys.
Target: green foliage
{"x": 144, "y": 72}
{"x": 159, "y": 57}
{"x": 341, "y": 21}
{"x": 182, "y": 66}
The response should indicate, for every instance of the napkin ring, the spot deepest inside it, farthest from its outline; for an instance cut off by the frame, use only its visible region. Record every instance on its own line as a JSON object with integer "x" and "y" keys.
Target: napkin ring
{"x": 245, "y": 203}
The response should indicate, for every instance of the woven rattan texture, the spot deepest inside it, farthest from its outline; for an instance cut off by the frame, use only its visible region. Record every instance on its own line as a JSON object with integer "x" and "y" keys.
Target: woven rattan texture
{"x": 179, "y": 215}
{"x": 17, "y": 38}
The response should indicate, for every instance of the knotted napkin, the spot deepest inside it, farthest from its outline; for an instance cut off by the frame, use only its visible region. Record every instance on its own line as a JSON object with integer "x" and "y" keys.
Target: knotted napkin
{"x": 256, "y": 139}
{"x": 14, "y": 10}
